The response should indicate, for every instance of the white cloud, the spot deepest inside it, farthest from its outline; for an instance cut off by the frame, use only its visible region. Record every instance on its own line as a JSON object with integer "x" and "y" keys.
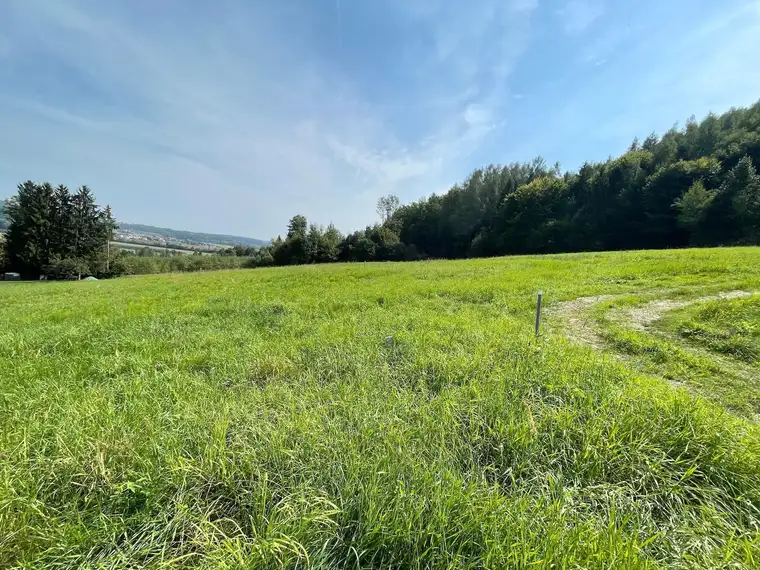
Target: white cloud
{"x": 228, "y": 122}
{"x": 477, "y": 114}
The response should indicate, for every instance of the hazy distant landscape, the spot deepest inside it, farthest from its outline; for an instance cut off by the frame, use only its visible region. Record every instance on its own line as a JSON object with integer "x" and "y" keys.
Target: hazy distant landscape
{"x": 132, "y": 237}
{"x": 137, "y": 232}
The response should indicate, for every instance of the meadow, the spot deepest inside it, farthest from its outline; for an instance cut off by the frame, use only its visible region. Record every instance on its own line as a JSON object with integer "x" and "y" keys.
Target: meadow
{"x": 387, "y": 415}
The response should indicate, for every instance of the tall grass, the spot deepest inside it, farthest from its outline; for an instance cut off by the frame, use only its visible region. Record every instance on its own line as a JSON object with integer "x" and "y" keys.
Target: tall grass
{"x": 731, "y": 328}
{"x": 259, "y": 419}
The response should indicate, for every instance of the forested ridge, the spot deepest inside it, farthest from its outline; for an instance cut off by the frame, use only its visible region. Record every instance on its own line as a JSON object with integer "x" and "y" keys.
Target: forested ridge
{"x": 693, "y": 186}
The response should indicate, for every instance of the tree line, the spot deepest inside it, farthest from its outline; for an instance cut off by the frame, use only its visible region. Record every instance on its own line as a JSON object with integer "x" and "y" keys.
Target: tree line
{"x": 59, "y": 234}
{"x": 694, "y": 186}
{"x": 53, "y": 231}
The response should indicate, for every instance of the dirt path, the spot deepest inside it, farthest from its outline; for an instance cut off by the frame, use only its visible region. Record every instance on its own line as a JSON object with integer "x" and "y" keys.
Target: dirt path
{"x": 581, "y": 328}
{"x": 573, "y": 318}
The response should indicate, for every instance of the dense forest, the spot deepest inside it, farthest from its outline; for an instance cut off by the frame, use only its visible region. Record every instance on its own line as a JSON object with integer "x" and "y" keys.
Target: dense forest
{"x": 694, "y": 186}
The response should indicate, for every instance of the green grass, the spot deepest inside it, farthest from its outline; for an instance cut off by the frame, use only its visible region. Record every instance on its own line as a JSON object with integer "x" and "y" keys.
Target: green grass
{"x": 259, "y": 419}
{"x": 730, "y": 328}
{"x": 710, "y": 347}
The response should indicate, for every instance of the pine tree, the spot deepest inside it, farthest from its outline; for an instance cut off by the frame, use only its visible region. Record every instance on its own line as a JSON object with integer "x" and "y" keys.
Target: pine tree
{"x": 63, "y": 230}
{"x": 49, "y": 230}
{"x": 30, "y": 238}
{"x": 85, "y": 215}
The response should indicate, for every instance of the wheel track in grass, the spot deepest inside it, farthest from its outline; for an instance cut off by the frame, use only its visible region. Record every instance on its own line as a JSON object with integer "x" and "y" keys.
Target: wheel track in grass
{"x": 579, "y": 325}
{"x": 582, "y": 328}
{"x": 575, "y": 320}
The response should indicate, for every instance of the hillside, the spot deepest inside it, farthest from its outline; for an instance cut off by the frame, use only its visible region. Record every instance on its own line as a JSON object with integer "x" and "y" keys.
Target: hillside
{"x": 387, "y": 416}
{"x": 191, "y": 237}
{"x": 174, "y": 236}
{"x": 691, "y": 186}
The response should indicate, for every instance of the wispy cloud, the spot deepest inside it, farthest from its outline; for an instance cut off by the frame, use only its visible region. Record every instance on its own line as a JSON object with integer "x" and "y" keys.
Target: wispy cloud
{"x": 656, "y": 73}
{"x": 227, "y": 112}
{"x": 233, "y": 116}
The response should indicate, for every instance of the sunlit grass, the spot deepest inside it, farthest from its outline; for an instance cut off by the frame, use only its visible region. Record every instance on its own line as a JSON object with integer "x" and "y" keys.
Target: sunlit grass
{"x": 260, "y": 419}
{"x": 730, "y": 328}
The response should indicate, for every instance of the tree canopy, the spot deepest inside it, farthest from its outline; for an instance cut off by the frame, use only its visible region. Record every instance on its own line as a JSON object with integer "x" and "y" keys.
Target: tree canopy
{"x": 51, "y": 230}
{"x": 695, "y": 186}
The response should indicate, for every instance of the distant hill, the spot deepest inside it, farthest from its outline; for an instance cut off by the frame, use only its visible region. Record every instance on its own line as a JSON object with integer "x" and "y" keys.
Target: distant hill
{"x": 191, "y": 237}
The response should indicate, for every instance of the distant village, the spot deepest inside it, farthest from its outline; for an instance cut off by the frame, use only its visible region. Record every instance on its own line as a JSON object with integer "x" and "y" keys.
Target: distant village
{"x": 156, "y": 240}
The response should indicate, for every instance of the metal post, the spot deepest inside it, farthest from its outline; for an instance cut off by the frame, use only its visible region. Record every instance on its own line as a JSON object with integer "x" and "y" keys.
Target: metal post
{"x": 538, "y": 312}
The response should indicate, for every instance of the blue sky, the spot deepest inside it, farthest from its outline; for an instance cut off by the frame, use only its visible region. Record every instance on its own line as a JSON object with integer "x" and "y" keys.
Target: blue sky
{"x": 232, "y": 116}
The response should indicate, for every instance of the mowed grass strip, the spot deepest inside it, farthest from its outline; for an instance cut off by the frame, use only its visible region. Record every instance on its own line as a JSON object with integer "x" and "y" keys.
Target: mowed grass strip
{"x": 259, "y": 419}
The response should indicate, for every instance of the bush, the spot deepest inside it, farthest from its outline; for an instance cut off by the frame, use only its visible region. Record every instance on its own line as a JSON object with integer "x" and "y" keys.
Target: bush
{"x": 131, "y": 264}
{"x": 67, "y": 268}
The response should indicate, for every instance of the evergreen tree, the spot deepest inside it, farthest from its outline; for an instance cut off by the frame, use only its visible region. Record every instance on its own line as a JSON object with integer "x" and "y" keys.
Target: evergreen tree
{"x": 63, "y": 222}
{"x": 3, "y": 222}
{"x": 50, "y": 229}
{"x": 30, "y": 235}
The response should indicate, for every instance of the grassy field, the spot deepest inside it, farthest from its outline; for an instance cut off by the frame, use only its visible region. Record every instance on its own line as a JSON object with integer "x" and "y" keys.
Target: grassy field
{"x": 387, "y": 416}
